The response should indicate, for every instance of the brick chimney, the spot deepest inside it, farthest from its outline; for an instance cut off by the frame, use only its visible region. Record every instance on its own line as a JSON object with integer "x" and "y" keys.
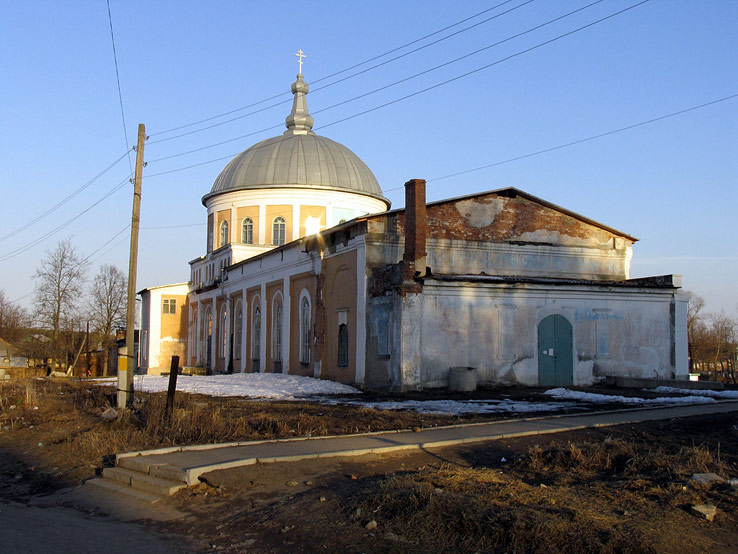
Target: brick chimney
{"x": 416, "y": 221}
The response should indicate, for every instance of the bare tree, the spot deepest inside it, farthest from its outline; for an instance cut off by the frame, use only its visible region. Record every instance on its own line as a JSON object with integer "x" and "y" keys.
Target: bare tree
{"x": 60, "y": 283}
{"x": 694, "y": 323}
{"x": 13, "y": 320}
{"x": 107, "y": 306}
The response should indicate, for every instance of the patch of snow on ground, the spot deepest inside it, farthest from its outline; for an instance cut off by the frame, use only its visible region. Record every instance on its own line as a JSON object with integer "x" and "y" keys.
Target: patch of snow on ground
{"x": 275, "y": 386}
{"x": 459, "y": 407}
{"x": 567, "y": 394}
{"x": 721, "y": 394}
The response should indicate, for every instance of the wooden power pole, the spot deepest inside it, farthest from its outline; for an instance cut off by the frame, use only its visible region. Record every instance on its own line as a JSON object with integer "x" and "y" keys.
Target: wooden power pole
{"x": 127, "y": 359}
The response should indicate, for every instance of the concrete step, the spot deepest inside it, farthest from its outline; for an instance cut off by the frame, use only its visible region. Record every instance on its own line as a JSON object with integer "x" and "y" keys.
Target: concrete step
{"x": 163, "y": 471}
{"x": 142, "y": 481}
{"x": 107, "y": 486}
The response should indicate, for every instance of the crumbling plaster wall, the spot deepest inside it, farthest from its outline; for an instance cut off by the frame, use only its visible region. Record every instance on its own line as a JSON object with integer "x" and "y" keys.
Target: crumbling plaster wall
{"x": 506, "y": 236}
{"x": 493, "y": 328}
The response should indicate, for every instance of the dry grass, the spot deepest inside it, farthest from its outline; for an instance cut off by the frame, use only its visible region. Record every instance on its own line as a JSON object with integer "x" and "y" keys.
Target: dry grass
{"x": 527, "y": 507}
{"x": 64, "y": 416}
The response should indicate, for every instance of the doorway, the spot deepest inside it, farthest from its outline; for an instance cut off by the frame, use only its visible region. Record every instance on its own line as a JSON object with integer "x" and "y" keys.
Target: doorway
{"x": 555, "y": 359}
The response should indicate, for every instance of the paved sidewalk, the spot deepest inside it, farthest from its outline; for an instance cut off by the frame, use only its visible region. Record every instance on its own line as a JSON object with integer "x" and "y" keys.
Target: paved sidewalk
{"x": 186, "y": 464}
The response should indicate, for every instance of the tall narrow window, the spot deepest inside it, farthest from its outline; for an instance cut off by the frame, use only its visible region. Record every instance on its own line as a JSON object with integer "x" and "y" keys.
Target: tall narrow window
{"x": 247, "y": 231}
{"x": 305, "y": 330}
{"x": 210, "y": 236}
{"x": 343, "y": 345}
{"x": 222, "y": 331}
{"x": 278, "y": 332}
{"x": 279, "y": 227}
{"x": 256, "y": 335}
{"x": 223, "y": 233}
{"x": 239, "y": 332}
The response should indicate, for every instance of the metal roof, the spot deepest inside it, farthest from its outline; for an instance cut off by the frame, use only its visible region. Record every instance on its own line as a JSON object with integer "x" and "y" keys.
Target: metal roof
{"x": 298, "y": 159}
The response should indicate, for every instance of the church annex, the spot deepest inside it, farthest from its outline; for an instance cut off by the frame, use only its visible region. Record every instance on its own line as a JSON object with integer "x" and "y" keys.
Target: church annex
{"x": 307, "y": 272}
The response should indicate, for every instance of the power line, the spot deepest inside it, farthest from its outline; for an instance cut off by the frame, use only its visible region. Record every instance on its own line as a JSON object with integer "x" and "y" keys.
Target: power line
{"x": 387, "y": 53}
{"x": 59, "y": 204}
{"x": 477, "y": 70}
{"x": 120, "y": 96}
{"x": 173, "y": 226}
{"x": 429, "y": 44}
{"x": 87, "y": 259}
{"x": 416, "y": 93}
{"x": 568, "y": 144}
{"x": 40, "y": 239}
{"x": 366, "y": 93}
{"x": 116, "y": 245}
{"x": 580, "y": 141}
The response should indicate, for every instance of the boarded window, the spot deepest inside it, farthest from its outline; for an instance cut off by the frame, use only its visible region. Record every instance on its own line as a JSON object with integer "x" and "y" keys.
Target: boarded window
{"x": 506, "y": 335}
{"x": 603, "y": 332}
{"x": 343, "y": 349}
{"x": 256, "y": 334}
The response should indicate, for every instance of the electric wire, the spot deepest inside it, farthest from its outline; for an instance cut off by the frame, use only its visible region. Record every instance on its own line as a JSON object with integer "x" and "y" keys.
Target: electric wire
{"x": 63, "y": 201}
{"x": 87, "y": 259}
{"x": 68, "y": 222}
{"x": 416, "y": 93}
{"x": 116, "y": 245}
{"x": 580, "y": 141}
{"x": 487, "y": 66}
{"x": 283, "y": 102}
{"x": 363, "y": 95}
{"x": 387, "y": 53}
{"x": 120, "y": 95}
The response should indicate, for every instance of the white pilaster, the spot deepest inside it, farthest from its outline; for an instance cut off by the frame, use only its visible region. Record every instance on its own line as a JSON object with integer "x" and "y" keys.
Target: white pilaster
{"x": 286, "y": 319}
{"x": 227, "y": 332}
{"x": 263, "y": 239}
{"x": 213, "y": 336}
{"x": 264, "y": 319}
{"x": 360, "y": 331}
{"x": 295, "y": 221}
{"x": 244, "y": 323}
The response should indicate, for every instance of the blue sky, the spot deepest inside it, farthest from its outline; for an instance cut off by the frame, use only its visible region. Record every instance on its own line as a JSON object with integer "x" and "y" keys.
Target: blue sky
{"x": 671, "y": 183}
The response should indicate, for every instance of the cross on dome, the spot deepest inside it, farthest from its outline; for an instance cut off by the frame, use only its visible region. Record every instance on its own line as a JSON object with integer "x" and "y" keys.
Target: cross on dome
{"x": 300, "y": 56}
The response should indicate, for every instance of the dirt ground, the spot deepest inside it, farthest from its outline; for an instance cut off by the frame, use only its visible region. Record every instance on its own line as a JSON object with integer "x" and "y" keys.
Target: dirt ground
{"x": 619, "y": 489}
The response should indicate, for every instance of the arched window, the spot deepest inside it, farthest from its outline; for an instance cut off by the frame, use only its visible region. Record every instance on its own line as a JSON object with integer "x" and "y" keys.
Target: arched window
{"x": 239, "y": 332}
{"x": 277, "y": 330}
{"x": 247, "y": 231}
{"x": 209, "y": 337}
{"x": 256, "y": 335}
{"x": 305, "y": 330}
{"x": 223, "y": 233}
{"x": 279, "y": 227}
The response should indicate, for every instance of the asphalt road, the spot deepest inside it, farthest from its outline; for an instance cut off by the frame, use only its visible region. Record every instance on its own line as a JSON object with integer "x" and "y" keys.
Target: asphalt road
{"x": 61, "y": 530}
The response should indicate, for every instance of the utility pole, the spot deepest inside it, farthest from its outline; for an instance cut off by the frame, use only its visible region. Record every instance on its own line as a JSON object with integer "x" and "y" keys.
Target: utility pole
{"x": 126, "y": 359}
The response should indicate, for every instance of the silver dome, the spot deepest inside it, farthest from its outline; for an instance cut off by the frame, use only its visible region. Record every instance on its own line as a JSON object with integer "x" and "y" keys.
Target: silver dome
{"x": 298, "y": 158}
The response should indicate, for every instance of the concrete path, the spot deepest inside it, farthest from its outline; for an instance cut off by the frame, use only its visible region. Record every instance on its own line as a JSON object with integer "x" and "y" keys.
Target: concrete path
{"x": 186, "y": 464}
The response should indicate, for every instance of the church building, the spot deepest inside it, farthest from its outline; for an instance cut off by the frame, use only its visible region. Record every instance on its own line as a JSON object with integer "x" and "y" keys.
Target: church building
{"x": 307, "y": 271}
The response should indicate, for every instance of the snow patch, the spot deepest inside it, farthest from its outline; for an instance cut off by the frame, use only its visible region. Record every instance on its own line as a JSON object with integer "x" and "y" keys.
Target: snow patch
{"x": 594, "y": 398}
{"x": 275, "y": 386}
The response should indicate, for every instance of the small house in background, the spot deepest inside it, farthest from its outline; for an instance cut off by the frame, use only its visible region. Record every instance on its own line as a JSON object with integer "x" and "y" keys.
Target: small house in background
{"x": 163, "y": 326}
{"x": 13, "y": 362}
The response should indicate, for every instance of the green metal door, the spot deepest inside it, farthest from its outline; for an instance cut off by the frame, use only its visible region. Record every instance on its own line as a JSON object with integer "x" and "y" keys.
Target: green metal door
{"x": 555, "y": 361}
